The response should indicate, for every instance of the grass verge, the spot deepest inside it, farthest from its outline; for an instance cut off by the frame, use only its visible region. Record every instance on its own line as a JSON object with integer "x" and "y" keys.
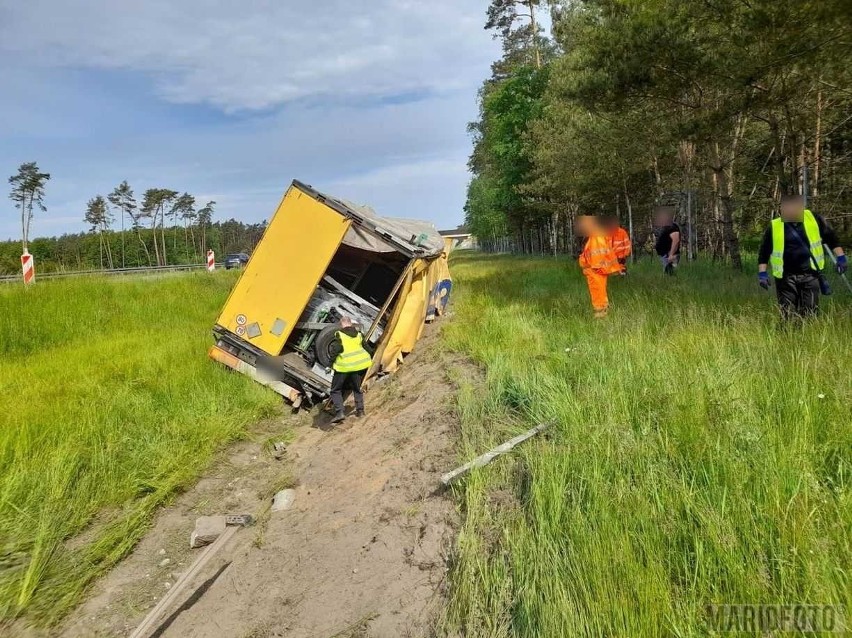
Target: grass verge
{"x": 108, "y": 406}
{"x": 699, "y": 454}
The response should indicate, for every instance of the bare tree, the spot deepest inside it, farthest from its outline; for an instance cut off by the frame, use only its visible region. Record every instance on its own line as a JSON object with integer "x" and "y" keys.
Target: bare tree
{"x": 122, "y": 198}
{"x": 27, "y": 192}
{"x": 205, "y": 217}
{"x": 154, "y": 204}
{"x": 98, "y": 215}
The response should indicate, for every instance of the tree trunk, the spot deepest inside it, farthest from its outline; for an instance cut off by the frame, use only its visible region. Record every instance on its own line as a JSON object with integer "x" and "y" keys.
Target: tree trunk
{"x": 534, "y": 27}
{"x": 817, "y": 144}
{"x": 690, "y": 231}
{"x": 122, "y": 238}
{"x": 163, "y": 235}
{"x": 780, "y": 171}
{"x": 154, "y": 233}
{"x": 723, "y": 178}
{"x": 554, "y": 232}
{"x": 144, "y": 245}
{"x": 24, "y": 224}
{"x": 109, "y": 250}
{"x": 629, "y": 218}
{"x": 658, "y": 180}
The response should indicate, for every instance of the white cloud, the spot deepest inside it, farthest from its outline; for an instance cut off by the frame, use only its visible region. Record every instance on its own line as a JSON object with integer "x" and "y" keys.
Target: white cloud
{"x": 366, "y": 99}
{"x": 405, "y": 160}
{"x": 258, "y": 54}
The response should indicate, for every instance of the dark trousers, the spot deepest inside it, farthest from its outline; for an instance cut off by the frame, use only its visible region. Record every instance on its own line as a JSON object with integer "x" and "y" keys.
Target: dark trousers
{"x": 798, "y": 295}
{"x": 343, "y": 382}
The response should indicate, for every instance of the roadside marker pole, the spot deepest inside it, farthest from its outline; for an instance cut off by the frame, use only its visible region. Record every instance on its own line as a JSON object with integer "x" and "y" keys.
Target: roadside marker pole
{"x": 28, "y": 267}
{"x": 211, "y": 260}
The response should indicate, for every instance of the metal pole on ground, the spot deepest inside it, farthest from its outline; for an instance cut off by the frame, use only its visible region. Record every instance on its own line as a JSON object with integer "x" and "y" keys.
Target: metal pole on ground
{"x": 834, "y": 261}
{"x": 492, "y": 454}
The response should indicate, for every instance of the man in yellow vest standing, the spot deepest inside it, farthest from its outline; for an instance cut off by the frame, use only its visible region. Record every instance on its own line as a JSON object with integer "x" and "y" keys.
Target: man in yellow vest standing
{"x": 792, "y": 252}
{"x": 351, "y": 362}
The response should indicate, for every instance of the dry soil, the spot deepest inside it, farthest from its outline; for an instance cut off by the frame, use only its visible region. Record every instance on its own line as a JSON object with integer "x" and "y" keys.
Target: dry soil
{"x": 362, "y": 552}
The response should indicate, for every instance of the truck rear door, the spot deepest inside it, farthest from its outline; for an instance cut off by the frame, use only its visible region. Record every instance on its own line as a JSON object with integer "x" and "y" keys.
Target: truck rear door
{"x": 284, "y": 270}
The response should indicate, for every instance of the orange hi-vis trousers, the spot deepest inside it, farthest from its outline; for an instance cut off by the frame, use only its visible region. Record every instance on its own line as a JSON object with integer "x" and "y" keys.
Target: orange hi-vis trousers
{"x": 597, "y": 289}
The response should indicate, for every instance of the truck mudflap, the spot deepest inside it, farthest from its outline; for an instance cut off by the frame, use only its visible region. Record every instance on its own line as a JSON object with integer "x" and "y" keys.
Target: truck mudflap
{"x": 294, "y": 396}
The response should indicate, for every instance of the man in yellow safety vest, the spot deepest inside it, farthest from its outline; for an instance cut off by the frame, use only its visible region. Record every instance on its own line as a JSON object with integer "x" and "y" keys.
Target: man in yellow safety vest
{"x": 792, "y": 251}
{"x": 351, "y": 362}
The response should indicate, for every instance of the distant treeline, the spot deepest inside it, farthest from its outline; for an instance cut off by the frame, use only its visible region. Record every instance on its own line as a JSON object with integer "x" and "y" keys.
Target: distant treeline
{"x": 711, "y": 109}
{"x": 135, "y": 247}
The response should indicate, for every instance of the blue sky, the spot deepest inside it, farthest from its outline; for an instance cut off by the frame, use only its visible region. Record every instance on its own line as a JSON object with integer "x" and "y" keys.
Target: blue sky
{"x": 365, "y": 99}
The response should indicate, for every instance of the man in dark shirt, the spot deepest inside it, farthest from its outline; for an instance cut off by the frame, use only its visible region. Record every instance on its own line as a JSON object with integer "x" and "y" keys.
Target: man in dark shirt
{"x": 793, "y": 246}
{"x": 668, "y": 241}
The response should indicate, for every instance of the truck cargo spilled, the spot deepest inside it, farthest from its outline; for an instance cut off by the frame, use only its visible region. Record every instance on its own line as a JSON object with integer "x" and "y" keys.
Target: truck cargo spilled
{"x": 322, "y": 259}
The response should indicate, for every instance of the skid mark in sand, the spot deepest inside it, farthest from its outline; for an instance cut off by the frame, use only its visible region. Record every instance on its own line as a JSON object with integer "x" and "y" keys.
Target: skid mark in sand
{"x": 361, "y": 553}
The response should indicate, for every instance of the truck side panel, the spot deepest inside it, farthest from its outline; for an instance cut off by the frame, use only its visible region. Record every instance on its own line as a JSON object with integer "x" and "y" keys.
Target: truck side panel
{"x": 283, "y": 272}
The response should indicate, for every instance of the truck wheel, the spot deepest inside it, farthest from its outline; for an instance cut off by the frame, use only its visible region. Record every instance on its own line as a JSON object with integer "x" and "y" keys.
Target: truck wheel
{"x": 321, "y": 344}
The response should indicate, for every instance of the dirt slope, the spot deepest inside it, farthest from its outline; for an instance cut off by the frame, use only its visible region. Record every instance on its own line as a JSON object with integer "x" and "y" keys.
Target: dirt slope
{"x": 361, "y": 553}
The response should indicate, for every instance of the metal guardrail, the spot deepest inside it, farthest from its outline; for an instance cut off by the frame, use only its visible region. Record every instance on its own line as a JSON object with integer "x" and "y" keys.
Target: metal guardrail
{"x": 137, "y": 270}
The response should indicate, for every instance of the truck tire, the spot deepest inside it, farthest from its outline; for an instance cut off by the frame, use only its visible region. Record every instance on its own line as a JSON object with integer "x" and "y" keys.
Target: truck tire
{"x": 321, "y": 344}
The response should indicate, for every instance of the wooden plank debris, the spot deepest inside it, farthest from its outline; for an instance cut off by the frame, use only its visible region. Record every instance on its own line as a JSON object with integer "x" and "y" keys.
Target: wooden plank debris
{"x": 489, "y": 456}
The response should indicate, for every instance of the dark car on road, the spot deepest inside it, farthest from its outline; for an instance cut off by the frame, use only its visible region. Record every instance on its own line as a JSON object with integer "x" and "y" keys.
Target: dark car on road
{"x": 236, "y": 260}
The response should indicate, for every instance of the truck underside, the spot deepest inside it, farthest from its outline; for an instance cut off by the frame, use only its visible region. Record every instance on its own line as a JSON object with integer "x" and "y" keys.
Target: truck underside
{"x": 361, "y": 281}
{"x": 358, "y": 284}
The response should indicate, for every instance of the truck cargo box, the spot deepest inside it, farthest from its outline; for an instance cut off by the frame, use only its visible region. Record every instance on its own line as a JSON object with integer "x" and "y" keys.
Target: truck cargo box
{"x": 319, "y": 259}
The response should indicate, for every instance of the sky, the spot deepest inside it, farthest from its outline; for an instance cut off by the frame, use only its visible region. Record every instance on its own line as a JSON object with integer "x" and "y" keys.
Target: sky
{"x": 366, "y": 100}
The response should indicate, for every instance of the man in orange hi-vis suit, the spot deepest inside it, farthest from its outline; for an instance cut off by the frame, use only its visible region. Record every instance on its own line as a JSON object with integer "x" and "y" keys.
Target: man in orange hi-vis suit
{"x": 598, "y": 261}
{"x": 618, "y": 239}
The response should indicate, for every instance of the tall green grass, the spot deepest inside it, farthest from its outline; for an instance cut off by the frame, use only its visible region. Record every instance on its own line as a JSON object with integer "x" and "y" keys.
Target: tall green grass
{"x": 699, "y": 454}
{"x": 108, "y": 404}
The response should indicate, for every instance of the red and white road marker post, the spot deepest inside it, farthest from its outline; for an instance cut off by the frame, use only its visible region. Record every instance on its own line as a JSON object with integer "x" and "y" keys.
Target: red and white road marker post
{"x": 28, "y": 267}
{"x": 211, "y": 260}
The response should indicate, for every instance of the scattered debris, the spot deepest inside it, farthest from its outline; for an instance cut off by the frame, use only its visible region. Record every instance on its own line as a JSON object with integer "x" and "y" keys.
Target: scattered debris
{"x": 489, "y": 456}
{"x": 207, "y": 525}
{"x": 162, "y": 552}
{"x": 165, "y": 562}
{"x": 207, "y": 529}
{"x": 283, "y": 500}
{"x": 279, "y": 449}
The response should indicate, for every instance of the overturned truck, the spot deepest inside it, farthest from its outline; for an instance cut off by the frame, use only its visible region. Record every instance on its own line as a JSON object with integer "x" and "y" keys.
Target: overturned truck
{"x": 320, "y": 259}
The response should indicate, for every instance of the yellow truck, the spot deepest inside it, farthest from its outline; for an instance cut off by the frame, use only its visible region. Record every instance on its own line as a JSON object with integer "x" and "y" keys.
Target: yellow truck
{"x": 319, "y": 259}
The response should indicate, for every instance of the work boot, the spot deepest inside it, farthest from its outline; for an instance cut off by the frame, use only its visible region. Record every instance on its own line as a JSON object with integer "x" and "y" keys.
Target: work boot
{"x": 340, "y": 417}
{"x": 600, "y": 314}
{"x": 360, "y": 414}
{"x": 359, "y": 404}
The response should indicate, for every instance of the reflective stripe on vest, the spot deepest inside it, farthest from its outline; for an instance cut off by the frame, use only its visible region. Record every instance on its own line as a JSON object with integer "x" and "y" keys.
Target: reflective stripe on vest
{"x": 353, "y": 358}
{"x": 599, "y": 256}
{"x": 620, "y": 242}
{"x": 776, "y": 258}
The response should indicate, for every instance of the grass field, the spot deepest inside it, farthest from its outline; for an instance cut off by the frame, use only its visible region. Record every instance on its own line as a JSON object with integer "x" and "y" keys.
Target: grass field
{"x": 698, "y": 454}
{"x": 108, "y": 405}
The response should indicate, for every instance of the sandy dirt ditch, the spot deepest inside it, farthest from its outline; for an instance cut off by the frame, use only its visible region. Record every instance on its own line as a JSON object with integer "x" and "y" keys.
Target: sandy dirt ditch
{"x": 362, "y": 552}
